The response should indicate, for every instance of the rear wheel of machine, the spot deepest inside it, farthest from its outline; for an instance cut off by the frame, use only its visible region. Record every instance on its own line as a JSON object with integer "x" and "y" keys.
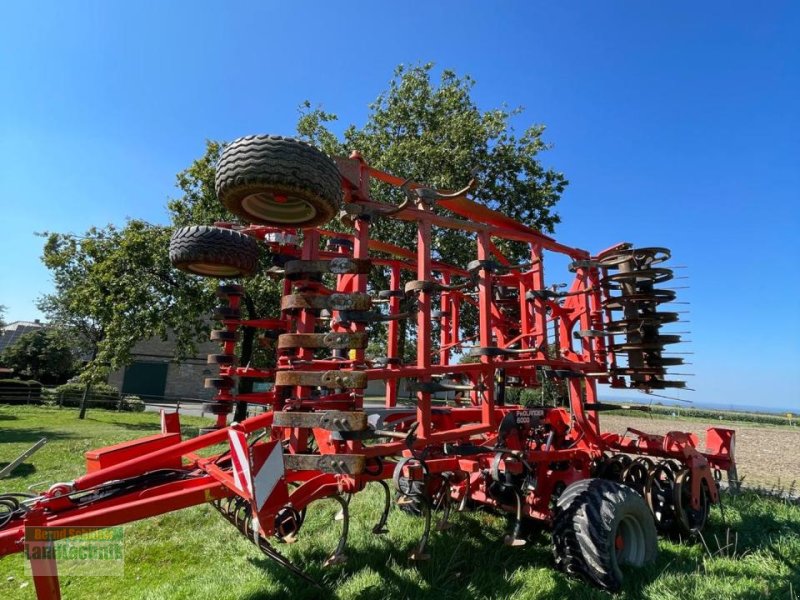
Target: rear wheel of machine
{"x": 608, "y": 525}
{"x": 272, "y": 180}
{"x": 213, "y": 252}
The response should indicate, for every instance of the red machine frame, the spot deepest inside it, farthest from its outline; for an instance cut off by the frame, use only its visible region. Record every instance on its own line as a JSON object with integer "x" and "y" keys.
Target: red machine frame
{"x": 449, "y": 450}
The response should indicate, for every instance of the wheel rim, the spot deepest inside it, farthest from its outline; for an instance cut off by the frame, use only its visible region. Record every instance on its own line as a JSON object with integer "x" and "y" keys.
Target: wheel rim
{"x": 629, "y": 542}
{"x": 278, "y": 208}
{"x": 214, "y": 270}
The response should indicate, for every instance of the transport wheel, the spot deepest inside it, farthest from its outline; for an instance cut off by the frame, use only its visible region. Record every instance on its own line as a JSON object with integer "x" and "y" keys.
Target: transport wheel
{"x": 566, "y": 548}
{"x": 213, "y": 251}
{"x": 273, "y": 180}
{"x": 608, "y": 526}
{"x": 689, "y": 521}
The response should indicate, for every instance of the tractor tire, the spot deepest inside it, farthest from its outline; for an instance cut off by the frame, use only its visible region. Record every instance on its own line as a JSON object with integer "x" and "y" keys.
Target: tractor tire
{"x": 273, "y": 180}
{"x": 213, "y": 252}
{"x": 566, "y": 549}
{"x": 611, "y": 526}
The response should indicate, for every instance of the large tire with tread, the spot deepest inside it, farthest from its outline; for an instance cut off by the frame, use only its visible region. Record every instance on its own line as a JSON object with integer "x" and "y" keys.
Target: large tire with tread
{"x": 274, "y": 180}
{"x": 213, "y": 251}
{"x": 601, "y": 526}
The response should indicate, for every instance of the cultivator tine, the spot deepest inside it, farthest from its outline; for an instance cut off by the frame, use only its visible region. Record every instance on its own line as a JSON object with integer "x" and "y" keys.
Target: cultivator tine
{"x": 380, "y": 526}
{"x": 237, "y": 510}
{"x": 514, "y": 538}
{"x": 419, "y": 553}
{"x": 280, "y": 559}
{"x": 340, "y": 515}
{"x": 462, "y": 504}
{"x": 444, "y": 523}
{"x": 339, "y": 557}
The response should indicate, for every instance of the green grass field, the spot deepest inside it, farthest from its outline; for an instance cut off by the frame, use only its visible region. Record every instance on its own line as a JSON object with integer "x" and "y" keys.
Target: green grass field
{"x": 196, "y": 554}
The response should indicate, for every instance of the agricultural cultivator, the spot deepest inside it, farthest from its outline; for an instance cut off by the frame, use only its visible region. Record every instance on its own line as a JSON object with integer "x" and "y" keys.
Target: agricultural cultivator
{"x": 460, "y": 444}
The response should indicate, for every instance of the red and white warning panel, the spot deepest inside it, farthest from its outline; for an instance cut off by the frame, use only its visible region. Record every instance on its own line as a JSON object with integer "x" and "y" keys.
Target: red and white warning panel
{"x": 258, "y": 471}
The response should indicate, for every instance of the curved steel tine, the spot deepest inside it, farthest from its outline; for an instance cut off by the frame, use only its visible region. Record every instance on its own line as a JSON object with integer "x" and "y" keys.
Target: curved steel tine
{"x": 279, "y": 558}
{"x": 380, "y": 526}
{"x": 340, "y": 515}
{"x": 462, "y": 505}
{"x": 339, "y": 557}
{"x": 513, "y": 539}
{"x": 444, "y": 524}
{"x": 419, "y": 552}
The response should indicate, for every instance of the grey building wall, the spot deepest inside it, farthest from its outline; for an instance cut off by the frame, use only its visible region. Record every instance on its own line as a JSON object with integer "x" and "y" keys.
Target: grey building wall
{"x": 184, "y": 379}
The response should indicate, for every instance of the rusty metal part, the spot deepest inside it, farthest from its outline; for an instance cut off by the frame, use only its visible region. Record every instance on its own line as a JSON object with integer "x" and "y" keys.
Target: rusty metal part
{"x": 342, "y": 464}
{"x": 590, "y": 333}
{"x": 643, "y": 298}
{"x": 332, "y": 340}
{"x": 329, "y": 302}
{"x": 656, "y": 342}
{"x": 582, "y": 264}
{"x": 492, "y": 351}
{"x": 218, "y": 407}
{"x": 636, "y": 256}
{"x": 651, "y": 276}
{"x": 432, "y": 387}
{"x": 219, "y": 383}
{"x": 223, "y": 335}
{"x": 332, "y": 420}
{"x": 226, "y": 291}
{"x": 297, "y": 269}
{"x": 368, "y": 316}
{"x": 650, "y": 319}
{"x": 493, "y": 267}
{"x": 222, "y": 359}
{"x": 326, "y": 379}
{"x": 431, "y": 287}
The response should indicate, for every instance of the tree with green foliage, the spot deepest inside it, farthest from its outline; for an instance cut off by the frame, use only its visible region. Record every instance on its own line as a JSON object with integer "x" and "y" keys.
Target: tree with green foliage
{"x": 436, "y": 134}
{"x": 45, "y": 355}
{"x": 114, "y": 287}
{"x": 117, "y": 284}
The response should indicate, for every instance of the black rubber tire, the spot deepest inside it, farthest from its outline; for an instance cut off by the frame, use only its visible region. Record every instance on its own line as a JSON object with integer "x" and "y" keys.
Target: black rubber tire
{"x": 566, "y": 549}
{"x": 254, "y": 169}
{"x": 213, "y": 252}
{"x": 611, "y": 526}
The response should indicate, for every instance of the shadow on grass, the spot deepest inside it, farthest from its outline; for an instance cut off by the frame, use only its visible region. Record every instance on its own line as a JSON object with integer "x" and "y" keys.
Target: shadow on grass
{"x": 466, "y": 561}
{"x": 8, "y": 417}
{"x": 32, "y": 435}
{"x": 22, "y": 470}
{"x": 470, "y": 561}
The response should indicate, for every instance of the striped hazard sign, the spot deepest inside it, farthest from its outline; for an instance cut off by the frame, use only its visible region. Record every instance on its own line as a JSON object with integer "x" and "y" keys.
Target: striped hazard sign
{"x": 257, "y": 470}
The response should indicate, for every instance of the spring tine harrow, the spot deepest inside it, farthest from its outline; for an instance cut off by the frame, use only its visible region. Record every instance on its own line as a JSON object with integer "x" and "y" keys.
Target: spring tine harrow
{"x": 463, "y": 438}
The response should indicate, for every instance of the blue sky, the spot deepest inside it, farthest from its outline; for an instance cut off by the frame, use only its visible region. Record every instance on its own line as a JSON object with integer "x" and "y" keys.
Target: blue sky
{"x": 676, "y": 123}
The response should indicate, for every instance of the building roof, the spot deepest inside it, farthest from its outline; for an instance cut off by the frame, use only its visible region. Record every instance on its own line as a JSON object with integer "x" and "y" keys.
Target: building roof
{"x": 10, "y": 333}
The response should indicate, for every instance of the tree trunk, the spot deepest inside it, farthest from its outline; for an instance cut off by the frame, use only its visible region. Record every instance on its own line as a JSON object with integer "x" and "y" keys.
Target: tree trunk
{"x": 84, "y": 399}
